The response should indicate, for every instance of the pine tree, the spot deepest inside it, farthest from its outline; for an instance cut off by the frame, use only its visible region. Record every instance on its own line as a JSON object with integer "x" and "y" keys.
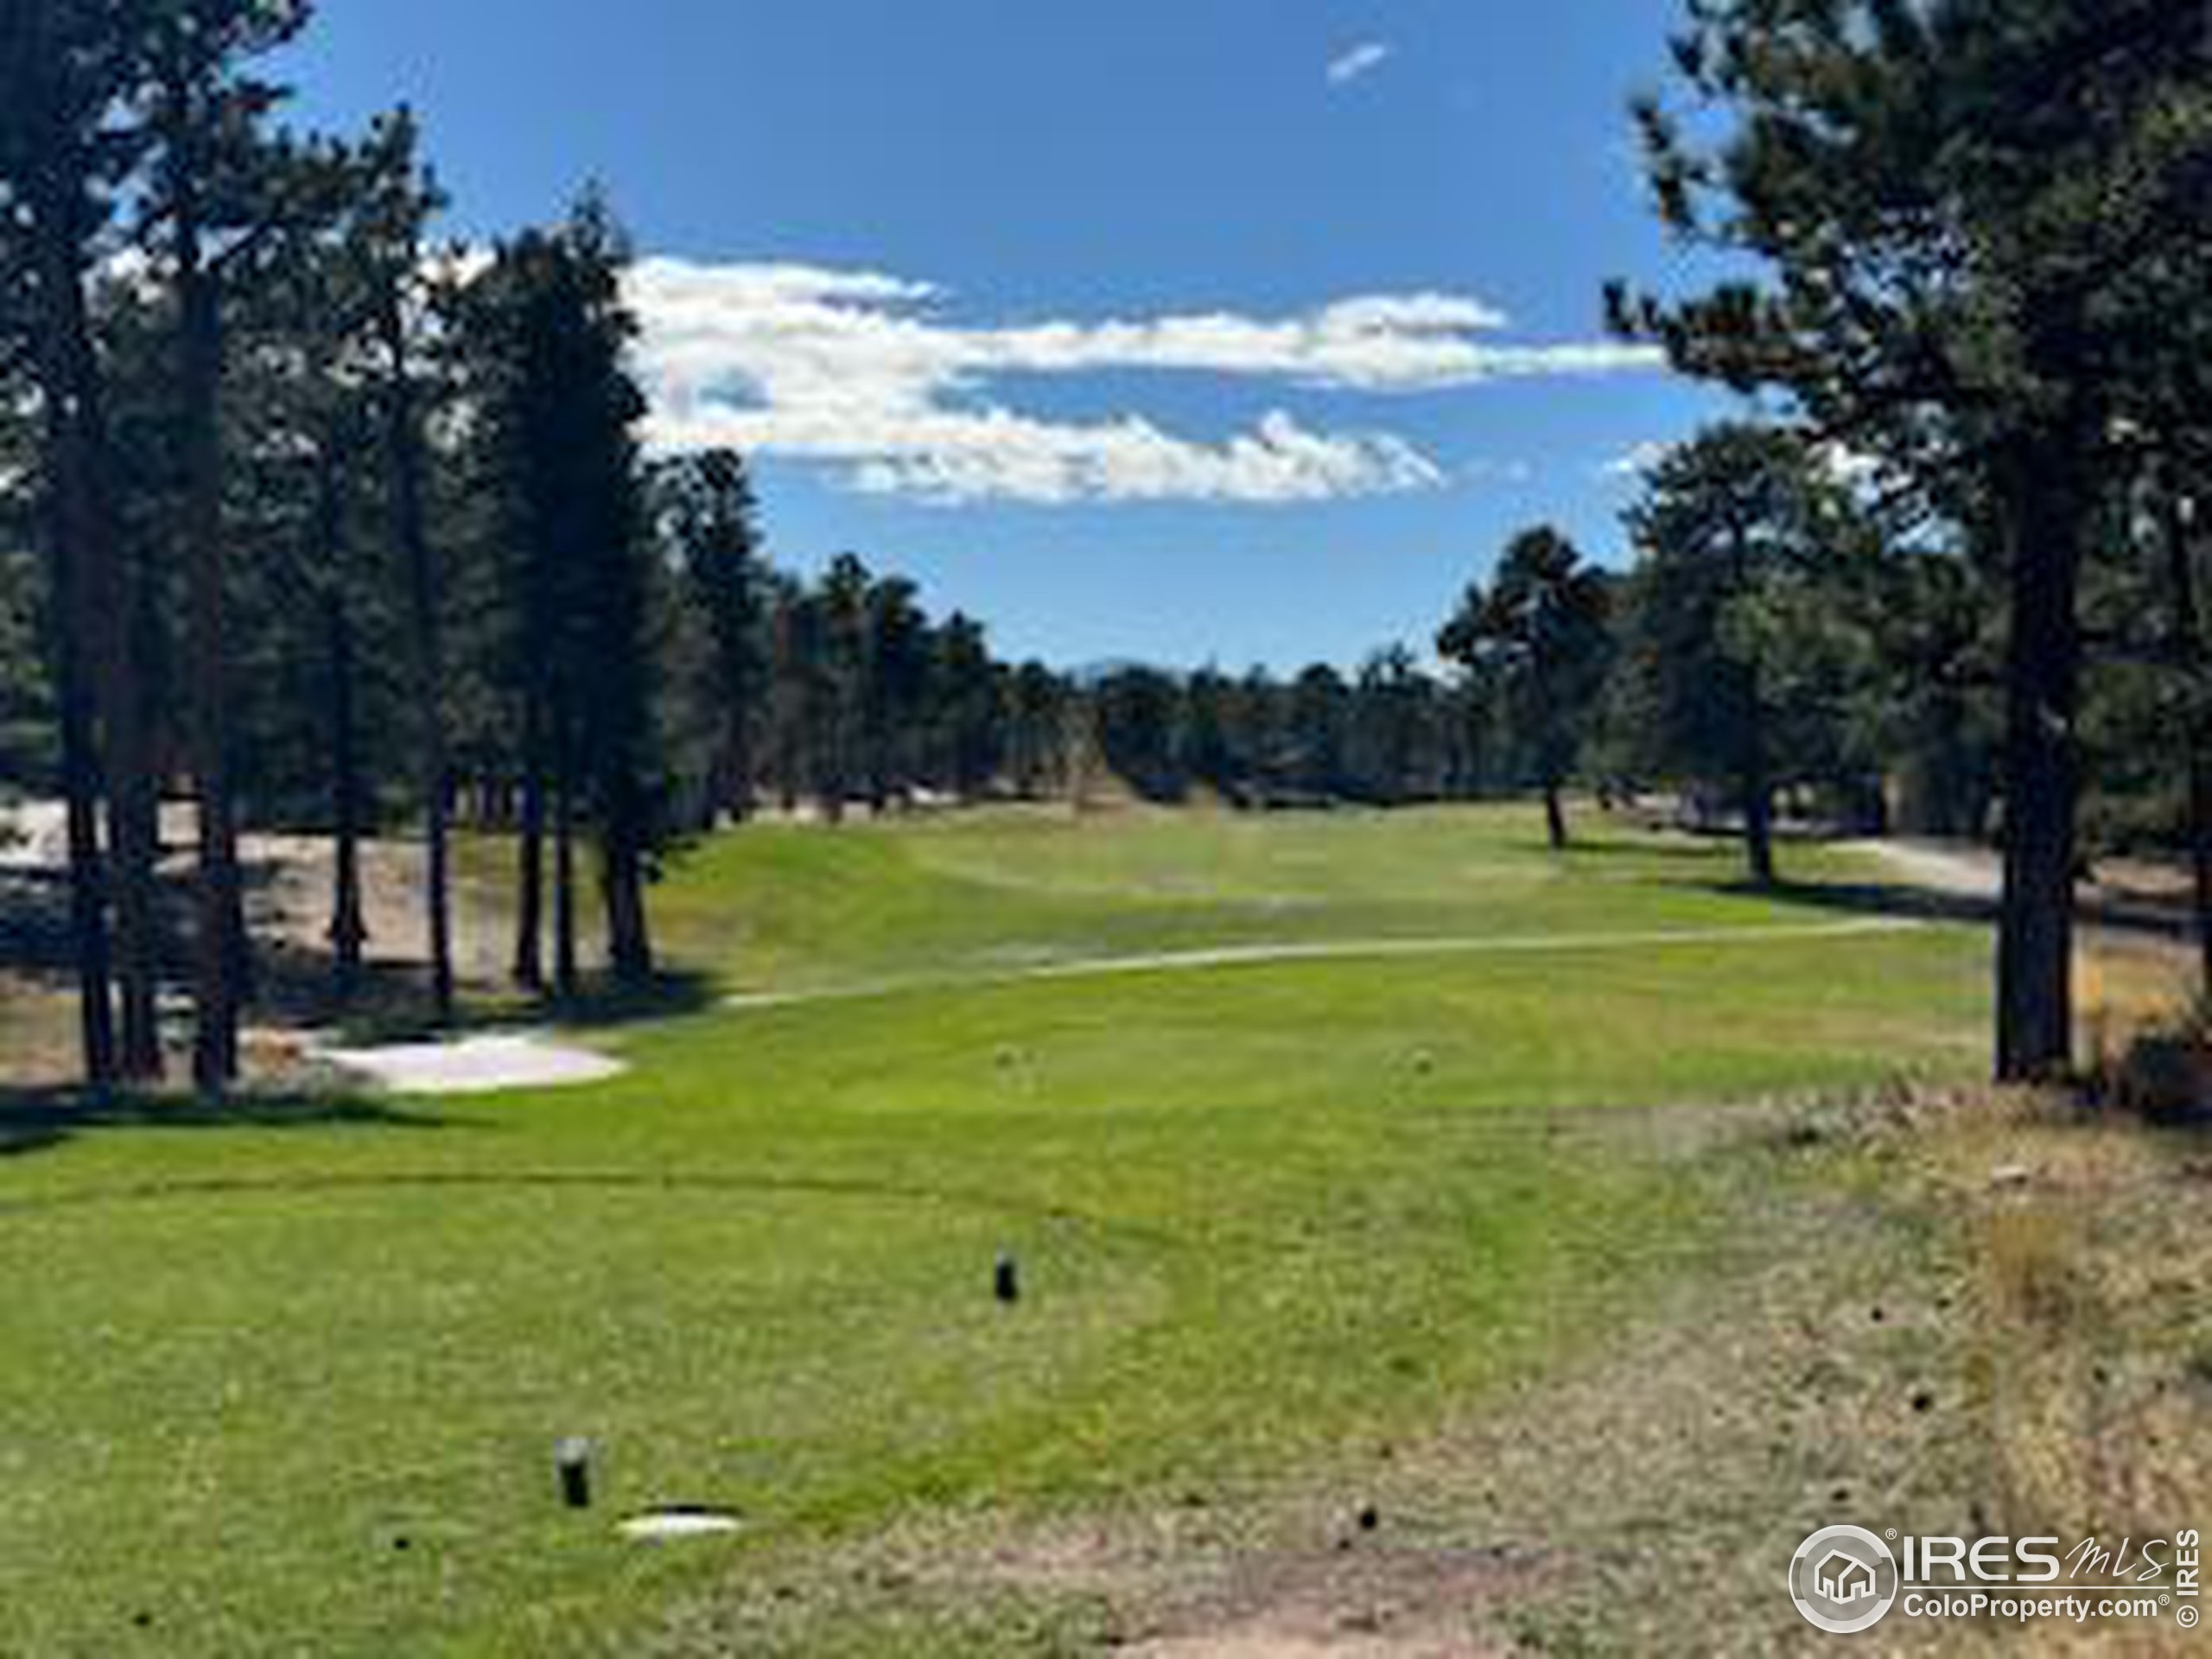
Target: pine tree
{"x": 898, "y": 684}
{"x": 565, "y": 413}
{"x": 1319, "y": 725}
{"x": 1037, "y": 722}
{"x": 966, "y": 695}
{"x": 1731, "y": 527}
{"x": 397, "y": 199}
{"x": 711, "y": 520}
{"x": 1538, "y": 636}
{"x": 67, "y": 152}
{"x": 217, "y": 187}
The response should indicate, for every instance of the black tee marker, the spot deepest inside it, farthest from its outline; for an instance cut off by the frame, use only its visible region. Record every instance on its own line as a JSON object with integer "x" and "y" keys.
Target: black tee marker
{"x": 573, "y": 1459}
{"x": 1005, "y": 1280}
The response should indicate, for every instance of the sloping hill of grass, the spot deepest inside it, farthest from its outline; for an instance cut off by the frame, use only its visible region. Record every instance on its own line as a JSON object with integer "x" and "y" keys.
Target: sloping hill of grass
{"x": 779, "y": 907}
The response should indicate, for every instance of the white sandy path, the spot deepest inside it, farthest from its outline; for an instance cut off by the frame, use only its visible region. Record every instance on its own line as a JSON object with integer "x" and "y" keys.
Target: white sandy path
{"x": 1956, "y": 867}
{"x": 475, "y": 1065}
{"x": 1254, "y": 956}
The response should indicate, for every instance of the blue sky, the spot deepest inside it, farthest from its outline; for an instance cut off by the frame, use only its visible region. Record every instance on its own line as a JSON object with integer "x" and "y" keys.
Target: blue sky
{"x": 1189, "y": 330}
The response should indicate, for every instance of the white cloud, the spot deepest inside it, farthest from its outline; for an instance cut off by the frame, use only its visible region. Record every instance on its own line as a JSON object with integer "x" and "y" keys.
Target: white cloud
{"x": 860, "y": 371}
{"x": 1639, "y": 461}
{"x": 1359, "y": 61}
{"x": 1850, "y": 468}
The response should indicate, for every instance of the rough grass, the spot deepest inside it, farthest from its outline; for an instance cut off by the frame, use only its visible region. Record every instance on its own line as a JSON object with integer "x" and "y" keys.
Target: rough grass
{"x": 292, "y": 1381}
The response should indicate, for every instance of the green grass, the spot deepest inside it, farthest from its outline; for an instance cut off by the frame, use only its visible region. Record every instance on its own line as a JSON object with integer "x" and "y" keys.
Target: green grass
{"x": 292, "y": 1384}
{"x": 782, "y": 908}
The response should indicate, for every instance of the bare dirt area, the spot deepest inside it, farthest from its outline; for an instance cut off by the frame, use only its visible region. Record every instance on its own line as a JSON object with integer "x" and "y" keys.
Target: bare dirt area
{"x": 288, "y": 879}
{"x": 289, "y": 901}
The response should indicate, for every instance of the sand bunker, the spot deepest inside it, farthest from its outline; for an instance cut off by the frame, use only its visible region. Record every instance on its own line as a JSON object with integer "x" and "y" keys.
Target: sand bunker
{"x": 475, "y": 1065}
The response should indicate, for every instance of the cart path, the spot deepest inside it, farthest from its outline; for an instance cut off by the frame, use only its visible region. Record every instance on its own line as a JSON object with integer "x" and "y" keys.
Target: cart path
{"x": 1208, "y": 959}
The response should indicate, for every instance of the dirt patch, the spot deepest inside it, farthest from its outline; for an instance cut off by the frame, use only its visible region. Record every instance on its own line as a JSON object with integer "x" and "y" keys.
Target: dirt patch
{"x": 291, "y": 903}
{"x": 289, "y": 880}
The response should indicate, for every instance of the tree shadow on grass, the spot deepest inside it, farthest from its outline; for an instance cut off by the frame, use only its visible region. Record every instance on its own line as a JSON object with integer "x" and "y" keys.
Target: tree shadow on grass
{"x": 672, "y": 994}
{"x": 1895, "y": 899}
{"x": 1658, "y": 846}
{"x": 392, "y": 1004}
{"x": 2134, "y": 917}
{"x": 41, "y": 1120}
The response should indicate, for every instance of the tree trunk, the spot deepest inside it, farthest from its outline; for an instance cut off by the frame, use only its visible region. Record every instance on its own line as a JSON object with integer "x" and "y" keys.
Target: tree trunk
{"x": 135, "y": 844}
{"x": 737, "y": 761}
{"x": 565, "y": 978}
{"x": 2189, "y": 639}
{"x": 1555, "y": 816}
{"x": 88, "y": 928}
{"x": 1758, "y": 830}
{"x": 530, "y": 855}
{"x": 2200, "y": 849}
{"x": 348, "y": 932}
{"x": 217, "y": 941}
{"x": 2035, "y": 955}
{"x": 106, "y": 643}
{"x": 629, "y": 942}
{"x": 1756, "y": 783}
{"x": 622, "y": 837}
{"x": 404, "y": 445}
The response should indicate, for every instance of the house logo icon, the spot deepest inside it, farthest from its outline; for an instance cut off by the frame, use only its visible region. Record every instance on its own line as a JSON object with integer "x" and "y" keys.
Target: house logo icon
{"x": 1843, "y": 1580}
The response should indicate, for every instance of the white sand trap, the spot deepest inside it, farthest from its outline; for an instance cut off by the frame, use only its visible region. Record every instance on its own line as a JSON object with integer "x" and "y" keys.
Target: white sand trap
{"x": 476, "y": 1065}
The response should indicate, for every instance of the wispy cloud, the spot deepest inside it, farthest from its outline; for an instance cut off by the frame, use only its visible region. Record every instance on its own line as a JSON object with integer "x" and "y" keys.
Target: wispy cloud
{"x": 1359, "y": 61}
{"x": 863, "y": 371}
{"x": 1851, "y": 468}
{"x": 1639, "y": 461}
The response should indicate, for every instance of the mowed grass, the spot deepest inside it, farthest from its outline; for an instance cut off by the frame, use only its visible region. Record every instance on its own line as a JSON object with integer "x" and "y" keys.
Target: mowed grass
{"x": 291, "y": 1383}
{"x": 784, "y": 908}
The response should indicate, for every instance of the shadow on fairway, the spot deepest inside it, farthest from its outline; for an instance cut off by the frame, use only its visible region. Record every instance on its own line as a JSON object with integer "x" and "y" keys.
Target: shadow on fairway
{"x": 1660, "y": 846}
{"x": 673, "y": 993}
{"x": 396, "y": 1008}
{"x": 39, "y": 1120}
{"x": 1896, "y": 899}
{"x": 2167, "y": 922}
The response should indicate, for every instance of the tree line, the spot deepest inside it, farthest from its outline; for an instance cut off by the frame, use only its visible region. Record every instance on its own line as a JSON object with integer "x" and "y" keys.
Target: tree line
{"x": 331, "y": 524}
{"x": 333, "y": 527}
